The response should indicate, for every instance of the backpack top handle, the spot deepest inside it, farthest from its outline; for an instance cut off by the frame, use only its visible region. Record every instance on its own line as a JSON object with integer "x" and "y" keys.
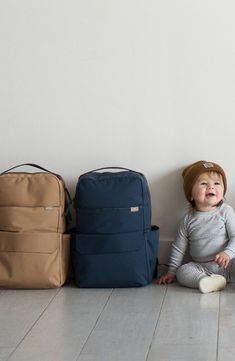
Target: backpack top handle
{"x": 106, "y": 168}
{"x": 30, "y": 165}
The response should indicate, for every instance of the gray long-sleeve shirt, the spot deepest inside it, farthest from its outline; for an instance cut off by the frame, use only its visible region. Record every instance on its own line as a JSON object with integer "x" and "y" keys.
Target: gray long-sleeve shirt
{"x": 205, "y": 234}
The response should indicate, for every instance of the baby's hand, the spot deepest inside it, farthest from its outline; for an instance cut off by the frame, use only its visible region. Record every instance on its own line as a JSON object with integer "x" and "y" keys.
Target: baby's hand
{"x": 222, "y": 259}
{"x": 167, "y": 278}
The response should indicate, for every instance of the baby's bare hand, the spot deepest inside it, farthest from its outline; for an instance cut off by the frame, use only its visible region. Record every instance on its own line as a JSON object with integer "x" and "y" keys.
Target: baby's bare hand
{"x": 222, "y": 259}
{"x": 166, "y": 279}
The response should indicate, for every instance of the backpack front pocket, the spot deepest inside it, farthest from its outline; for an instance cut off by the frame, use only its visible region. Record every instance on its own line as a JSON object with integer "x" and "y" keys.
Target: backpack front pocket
{"x": 110, "y": 220}
{"x": 29, "y": 219}
{"x": 31, "y": 260}
{"x": 109, "y": 260}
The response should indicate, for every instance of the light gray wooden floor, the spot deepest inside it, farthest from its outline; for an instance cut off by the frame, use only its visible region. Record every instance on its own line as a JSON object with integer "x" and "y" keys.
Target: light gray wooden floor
{"x": 153, "y": 323}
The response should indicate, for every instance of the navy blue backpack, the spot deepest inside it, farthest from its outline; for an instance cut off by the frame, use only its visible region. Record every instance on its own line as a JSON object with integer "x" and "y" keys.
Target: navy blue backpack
{"x": 114, "y": 244}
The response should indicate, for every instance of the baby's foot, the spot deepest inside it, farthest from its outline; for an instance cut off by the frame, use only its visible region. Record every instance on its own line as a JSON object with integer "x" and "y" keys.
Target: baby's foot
{"x": 212, "y": 283}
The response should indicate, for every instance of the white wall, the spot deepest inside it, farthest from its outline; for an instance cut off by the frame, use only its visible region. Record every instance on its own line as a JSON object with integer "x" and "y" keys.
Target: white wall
{"x": 149, "y": 85}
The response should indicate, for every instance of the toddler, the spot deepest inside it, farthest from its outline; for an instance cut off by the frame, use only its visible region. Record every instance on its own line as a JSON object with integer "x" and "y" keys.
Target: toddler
{"x": 207, "y": 229}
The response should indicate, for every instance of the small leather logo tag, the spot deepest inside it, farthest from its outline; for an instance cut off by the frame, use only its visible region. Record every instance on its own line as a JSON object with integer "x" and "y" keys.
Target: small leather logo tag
{"x": 49, "y": 208}
{"x": 134, "y": 209}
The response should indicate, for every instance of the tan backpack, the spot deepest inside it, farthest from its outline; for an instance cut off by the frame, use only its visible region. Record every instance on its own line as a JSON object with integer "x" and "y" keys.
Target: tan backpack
{"x": 34, "y": 248}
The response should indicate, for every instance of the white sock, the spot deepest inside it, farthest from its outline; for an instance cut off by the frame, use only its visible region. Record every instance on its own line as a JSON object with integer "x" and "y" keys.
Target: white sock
{"x": 212, "y": 283}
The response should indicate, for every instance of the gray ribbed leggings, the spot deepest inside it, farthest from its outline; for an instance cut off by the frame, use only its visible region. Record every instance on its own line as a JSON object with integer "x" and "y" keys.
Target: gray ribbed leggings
{"x": 190, "y": 273}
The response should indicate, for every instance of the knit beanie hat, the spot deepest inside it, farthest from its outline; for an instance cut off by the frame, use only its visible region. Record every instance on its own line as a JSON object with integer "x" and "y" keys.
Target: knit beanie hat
{"x": 193, "y": 171}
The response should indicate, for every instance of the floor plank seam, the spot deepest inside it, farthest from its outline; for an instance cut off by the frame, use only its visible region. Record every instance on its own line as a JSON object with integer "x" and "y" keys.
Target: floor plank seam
{"x": 218, "y": 329}
{"x": 155, "y": 328}
{"x": 38, "y": 318}
{"x": 94, "y": 326}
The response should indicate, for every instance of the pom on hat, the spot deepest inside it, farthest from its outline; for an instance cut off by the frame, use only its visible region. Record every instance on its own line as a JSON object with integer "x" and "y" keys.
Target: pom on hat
{"x": 193, "y": 171}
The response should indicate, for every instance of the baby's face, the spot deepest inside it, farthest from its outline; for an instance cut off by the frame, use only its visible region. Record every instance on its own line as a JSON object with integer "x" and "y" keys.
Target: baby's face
{"x": 208, "y": 191}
